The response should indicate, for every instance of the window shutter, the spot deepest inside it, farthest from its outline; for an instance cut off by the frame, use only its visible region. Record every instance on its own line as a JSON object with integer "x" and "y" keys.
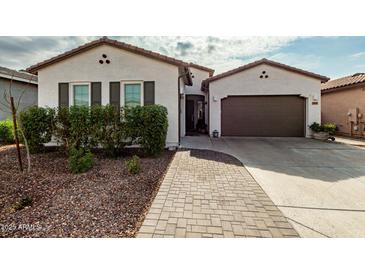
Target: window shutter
{"x": 96, "y": 93}
{"x": 63, "y": 94}
{"x": 149, "y": 93}
{"x": 114, "y": 94}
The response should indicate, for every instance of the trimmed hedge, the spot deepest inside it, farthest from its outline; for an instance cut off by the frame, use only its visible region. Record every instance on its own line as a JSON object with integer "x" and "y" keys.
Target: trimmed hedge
{"x": 84, "y": 127}
{"x": 37, "y": 124}
{"x": 62, "y": 127}
{"x": 108, "y": 130}
{"x": 147, "y": 126}
{"x": 6, "y": 132}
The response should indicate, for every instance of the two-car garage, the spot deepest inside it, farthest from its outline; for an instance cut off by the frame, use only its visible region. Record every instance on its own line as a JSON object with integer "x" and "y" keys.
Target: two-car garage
{"x": 267, "y": 116}
{"x": 264, "y": 99}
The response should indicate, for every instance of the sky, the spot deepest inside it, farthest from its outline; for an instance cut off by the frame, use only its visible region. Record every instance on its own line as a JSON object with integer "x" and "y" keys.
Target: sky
{"x": 330, "y": 56}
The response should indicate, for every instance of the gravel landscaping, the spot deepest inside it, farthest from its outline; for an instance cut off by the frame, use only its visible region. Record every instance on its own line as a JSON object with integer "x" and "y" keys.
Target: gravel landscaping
{"x": 104, "y": 202}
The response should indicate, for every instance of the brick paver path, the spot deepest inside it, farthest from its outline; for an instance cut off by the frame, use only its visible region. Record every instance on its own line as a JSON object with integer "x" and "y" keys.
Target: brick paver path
{"x": 210, "y": 194}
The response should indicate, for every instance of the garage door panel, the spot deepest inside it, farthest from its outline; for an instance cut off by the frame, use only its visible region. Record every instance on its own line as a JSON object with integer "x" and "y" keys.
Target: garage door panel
{"x": 270, "y": 116}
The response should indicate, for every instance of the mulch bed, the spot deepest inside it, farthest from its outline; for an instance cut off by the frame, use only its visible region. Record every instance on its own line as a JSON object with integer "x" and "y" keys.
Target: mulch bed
{"x": 104, "y": 202}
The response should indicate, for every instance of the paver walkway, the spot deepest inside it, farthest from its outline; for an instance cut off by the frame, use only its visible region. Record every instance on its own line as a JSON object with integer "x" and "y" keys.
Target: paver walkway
{"x": 210, "y": 194}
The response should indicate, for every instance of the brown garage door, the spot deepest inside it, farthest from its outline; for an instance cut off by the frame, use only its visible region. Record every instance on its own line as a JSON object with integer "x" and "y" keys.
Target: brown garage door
{"x": 269, "y": 116}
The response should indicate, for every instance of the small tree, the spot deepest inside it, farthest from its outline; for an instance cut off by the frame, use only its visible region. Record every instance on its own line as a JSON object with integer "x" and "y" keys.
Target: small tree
{"x": 11, "y": 105}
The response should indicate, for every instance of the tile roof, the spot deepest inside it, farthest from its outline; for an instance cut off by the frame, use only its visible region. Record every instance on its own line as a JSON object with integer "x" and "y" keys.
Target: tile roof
{"x": 17, "y": 75}
{"x": 117, "y": 44}
{"x": 268, "y": 62}
{"x": 357, "y": 78}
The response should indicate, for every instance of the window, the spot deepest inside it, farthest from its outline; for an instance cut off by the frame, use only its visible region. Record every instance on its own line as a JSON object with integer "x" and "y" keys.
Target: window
{"x": 81, "y": 95}
{"x": 132, "y": 95}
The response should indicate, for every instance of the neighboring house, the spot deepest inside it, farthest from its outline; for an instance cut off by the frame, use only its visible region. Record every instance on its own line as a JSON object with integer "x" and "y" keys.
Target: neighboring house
{"x": 264, "y": 98}
{"x": 107, "y": 71}
{"x": 23, "y": 85}
{"x": 343, "y": 103}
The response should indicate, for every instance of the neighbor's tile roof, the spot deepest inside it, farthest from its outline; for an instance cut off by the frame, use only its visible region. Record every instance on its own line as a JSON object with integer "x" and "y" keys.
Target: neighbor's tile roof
{"x": 336, "y": 84}
{"x": 17, "y": 75}
{"x": 117, "y": 44}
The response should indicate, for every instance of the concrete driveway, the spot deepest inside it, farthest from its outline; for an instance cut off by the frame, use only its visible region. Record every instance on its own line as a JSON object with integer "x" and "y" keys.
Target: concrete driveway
{"x": 319, "y": 186}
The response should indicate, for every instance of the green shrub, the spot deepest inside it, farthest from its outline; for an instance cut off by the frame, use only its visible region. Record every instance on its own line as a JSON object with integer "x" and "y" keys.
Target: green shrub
{"x": 62, "y": 126}
{"x": 23, "y": 203}
{"x": 84, "y": 127}
{"x": 37, "y": 125}
{"x": 6, "y": 132}
{"x": 80, "y": 126}
{"x": 80, "y": 160}
{"x": 315, "y": 127}
{"x": 329, "y": 127}
{"x": 147, "y": 126}
{"x": 133, "y": 165}
{"x": 108, "y": 129}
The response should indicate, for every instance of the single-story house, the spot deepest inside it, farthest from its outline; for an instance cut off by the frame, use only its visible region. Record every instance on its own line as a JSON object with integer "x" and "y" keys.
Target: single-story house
{"x": 107, "y": 71}
{"x": 265, "y": 97}
{"x": 343, "y": 103}
{"x": 23, "y": 85}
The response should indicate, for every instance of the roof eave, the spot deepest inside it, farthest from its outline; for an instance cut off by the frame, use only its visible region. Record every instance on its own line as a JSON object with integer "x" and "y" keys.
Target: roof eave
{"x": 322, "y": 78}
{"x": 149, "y": 54}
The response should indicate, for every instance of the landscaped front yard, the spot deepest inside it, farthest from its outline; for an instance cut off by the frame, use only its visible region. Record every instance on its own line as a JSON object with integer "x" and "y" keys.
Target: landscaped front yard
{"x": 106, "y": 201}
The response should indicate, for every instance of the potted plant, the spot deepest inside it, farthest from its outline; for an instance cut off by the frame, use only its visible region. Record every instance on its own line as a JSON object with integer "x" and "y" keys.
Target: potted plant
{"x": 322, "y": 132}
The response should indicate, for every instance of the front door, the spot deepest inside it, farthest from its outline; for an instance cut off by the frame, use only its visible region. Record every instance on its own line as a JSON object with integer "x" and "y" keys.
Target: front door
{"x": 190, "y": 123}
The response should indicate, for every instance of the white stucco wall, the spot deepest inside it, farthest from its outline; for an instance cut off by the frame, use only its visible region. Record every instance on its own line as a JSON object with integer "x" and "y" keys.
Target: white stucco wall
{"x": 124, "y": 66}
{"x": 199, "y": 76}
{"x": 280, "y": 82}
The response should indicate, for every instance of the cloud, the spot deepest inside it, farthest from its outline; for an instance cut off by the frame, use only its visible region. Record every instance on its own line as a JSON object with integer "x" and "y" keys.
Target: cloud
{"x": 20, "y": 52}
{"x": 357, "y": 55}
{"x": 220, "y": 53}
{"x": 308, "y": 62}
{"x": 184, "y": 47}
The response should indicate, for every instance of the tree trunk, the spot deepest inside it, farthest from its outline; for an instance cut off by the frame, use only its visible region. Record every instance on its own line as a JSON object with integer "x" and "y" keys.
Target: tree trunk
{"x": 13, "y": 111}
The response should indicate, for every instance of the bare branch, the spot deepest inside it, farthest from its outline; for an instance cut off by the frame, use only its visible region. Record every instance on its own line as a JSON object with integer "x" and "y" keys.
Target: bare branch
{"x": 19, "y": 99}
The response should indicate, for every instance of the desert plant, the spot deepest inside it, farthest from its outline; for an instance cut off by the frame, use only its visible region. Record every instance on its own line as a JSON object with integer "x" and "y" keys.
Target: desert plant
{"x": 37, "y": 126}
{"x": 80, "y": 160}
{"x": 133, "y": 165}
{"x": 6, "y": 132}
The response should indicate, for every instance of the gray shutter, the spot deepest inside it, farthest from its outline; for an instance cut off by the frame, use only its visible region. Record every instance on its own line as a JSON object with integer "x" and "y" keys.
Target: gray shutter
{"x": 114, "y": 94}
{"x": 63, "y": 94}
{"x": 96, "y": 93}
{"x": 149, "y": 93}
